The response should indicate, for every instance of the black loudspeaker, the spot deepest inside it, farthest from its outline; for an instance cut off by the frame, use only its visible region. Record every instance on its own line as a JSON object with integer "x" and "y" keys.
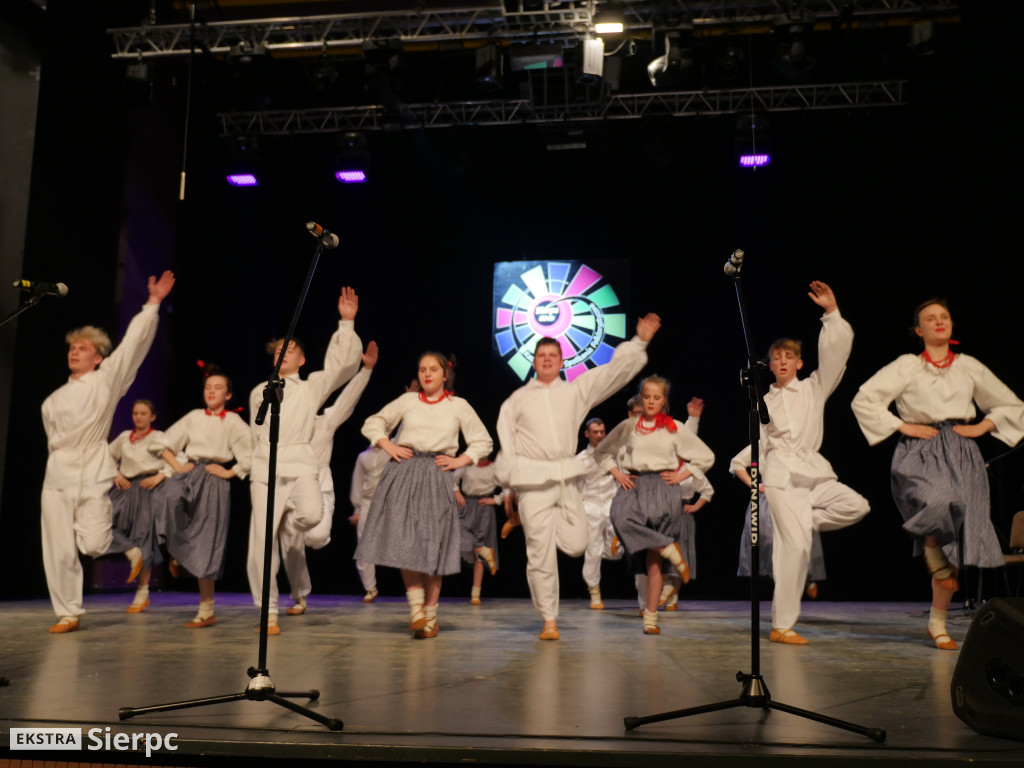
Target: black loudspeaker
{"x": 988, "y": 682}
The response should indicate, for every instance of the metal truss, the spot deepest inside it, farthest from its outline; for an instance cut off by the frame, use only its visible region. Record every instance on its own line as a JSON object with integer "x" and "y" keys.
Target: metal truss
{"x": 494, "y": 19}
{"x": 616, "y": 107}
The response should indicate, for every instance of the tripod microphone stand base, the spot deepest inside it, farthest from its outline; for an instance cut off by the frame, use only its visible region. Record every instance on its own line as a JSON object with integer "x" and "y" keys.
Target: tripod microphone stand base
{"x": 755, "y": 694}
{"x": 260, "y": 688}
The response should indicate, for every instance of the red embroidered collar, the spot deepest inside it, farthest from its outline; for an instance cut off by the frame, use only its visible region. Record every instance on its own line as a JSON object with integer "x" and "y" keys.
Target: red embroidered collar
{"x": 133, "y": 438}
{"x": 425, "y": 399}
{"x": 660, "y": 420}
{"x": 944, "y": 362}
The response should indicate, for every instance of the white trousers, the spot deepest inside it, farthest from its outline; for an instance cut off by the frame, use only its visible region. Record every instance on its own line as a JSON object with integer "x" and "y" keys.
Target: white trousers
{"x": 73, "y": 520}
{"x": 367, "y": 571}
{"x": 796, "y": 513}
{"x": 294, "y": 542}
{"x": 304, "y": 499}
{"x": 553, "y": 519}
{"x": 599, "y": 540}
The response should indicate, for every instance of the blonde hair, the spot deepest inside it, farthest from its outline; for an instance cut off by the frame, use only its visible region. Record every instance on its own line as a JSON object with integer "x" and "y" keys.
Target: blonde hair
{"x": 662, "y": 382}
{"x": 788, "y": 345}
{"x": 95, "y": 336}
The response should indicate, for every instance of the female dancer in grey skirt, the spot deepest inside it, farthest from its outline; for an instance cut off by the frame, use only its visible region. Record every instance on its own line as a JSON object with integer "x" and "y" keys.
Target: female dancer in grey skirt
{"x": 647, "y": 511}
{"x": 938, "y": 476}
{"x": 139, "y": 470}
{"x": 413, "y": 521}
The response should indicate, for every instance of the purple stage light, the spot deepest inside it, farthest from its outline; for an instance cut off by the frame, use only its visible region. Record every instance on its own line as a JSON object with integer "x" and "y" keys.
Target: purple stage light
{"x": 242, "y": 180}
{"x": 350, "y": 177}
{"x": 754, "y": 161}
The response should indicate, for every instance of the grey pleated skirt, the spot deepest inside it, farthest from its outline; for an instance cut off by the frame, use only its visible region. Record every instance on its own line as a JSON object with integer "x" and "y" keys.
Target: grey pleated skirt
{"x": 133, "y": 519}
{"x": 477, "y": 528}
{"x": 940, "y": 487}
{"x": 649, "y": 516}
{"x": 413, "y": 520}
{"x": 816, "y": 568}
{"x": 191, "y": 513}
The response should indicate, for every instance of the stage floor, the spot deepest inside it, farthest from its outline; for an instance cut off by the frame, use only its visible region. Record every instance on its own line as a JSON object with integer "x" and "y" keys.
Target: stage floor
{"x": 486, "y": 690}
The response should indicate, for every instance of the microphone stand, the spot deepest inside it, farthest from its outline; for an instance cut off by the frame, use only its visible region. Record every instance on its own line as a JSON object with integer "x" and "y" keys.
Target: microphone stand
{"x": 34, "y": 299}
{"x": 754, "y": 692}
{"x": 261, "y": 687}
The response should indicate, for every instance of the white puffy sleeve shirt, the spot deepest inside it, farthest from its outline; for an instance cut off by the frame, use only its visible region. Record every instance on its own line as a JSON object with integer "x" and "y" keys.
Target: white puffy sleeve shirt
{"x": 597, "y": 485}
{"x": 925, "y": 394}
{"x": 301, "y": 400}
{"x": 77, "y": 416}
{"x": 790, "y": 442}
{"x": 205, "y": 437}
{"x": 431, "y": 427}
{"x": 538, "y": 423}
{"x": 657, "y": 451}
{"x": 328, "y": 422}
{"x": 141, "y": 457}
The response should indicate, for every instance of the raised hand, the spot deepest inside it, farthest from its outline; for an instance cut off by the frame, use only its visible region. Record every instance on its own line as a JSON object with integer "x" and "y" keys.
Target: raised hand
{"x": 158, "y": 289}
{"x": 822, "y": 295}
{"x": 348, "y": 303}
{"x": 695, "y": 407}
{"x": 369, "y": 357}
{"x": 647, "y": 326}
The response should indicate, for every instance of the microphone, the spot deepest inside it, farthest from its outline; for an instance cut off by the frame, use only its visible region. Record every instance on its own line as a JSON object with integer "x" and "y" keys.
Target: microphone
{"x": 329, "y": 239}
{"x": 41, "y": 289}
{"x": 734, "y": 264}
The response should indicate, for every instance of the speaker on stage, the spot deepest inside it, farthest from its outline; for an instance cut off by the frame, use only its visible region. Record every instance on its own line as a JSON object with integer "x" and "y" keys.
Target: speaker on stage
{"x": 988, "y": 682}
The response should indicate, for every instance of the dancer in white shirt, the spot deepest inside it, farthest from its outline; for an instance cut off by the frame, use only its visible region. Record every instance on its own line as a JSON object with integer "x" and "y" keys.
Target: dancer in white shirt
{"x": 294, "y": 541}
{"x": 474, "y": 493}
{"x": 298, "y": 473}
{"x": 801, "y": 486}
{"x": 597, "y": 488}
{"x": 647, "y": 511}
{"x": 413, "y": 522}
{"x": 140, "y": 470}
{"x": 75, "y": 506}
{"x": 939, "y": 480}
{"x": 537, "y": 427}
{"x": 192, "y": 509}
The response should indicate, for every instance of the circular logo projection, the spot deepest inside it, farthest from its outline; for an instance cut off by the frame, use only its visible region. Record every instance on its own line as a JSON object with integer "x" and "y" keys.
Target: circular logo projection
{"x": 567, "y": 301}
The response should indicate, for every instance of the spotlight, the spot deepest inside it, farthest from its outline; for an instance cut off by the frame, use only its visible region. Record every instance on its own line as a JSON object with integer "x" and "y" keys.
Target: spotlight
{"x": 753, "y": 144}
{"x": 727, "y": 66}
{"x": 246, "y": 53}
{"x": 677, "y": 64}
{"x": 489, "y": 67}
{"x": 608, "y": 23}
{"x": 791, "y": 58}
{"x": 243, "y": 162}
{"x": 352, "y": 163}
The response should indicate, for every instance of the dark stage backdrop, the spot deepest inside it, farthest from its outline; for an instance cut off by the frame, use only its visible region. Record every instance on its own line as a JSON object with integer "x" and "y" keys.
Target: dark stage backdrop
{"x": 889, "y": 206}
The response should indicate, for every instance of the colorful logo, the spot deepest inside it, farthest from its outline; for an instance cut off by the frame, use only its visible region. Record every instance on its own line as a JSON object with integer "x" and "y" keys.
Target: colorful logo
{"x": 567, "y": 301}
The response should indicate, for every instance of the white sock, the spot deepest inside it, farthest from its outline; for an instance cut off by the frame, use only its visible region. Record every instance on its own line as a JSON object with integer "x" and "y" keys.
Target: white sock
{"x": 666, "y": 590}
{"x": 431, "y": 612}
{"x": 141, "y": 595}
{"x": 937, "y": 621}
{"x": 415, "y": 596}
{"x": 475, "y": 592}
{"x": 650, "y": 618}
{"x": 938, "y": 565}
{"x": 595, "y": 595}
{"x": 205, "y": 609}
{"x": 134, "y": 555}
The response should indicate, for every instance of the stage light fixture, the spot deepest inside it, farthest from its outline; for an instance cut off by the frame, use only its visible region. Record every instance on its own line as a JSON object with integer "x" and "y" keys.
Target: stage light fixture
{"x": 922, "y": 38}
{"x": 243, "y": 161}
{"x": 677, "y": 63}
{"x": 526, "y": 57}
{"x": 352, "y": 164}
{"x": 753, "y": 143}
{"x": 489, "y": 67}
{"x": 608, "y": 23}
{"x": 590, "y": 61}
{"x": 792, "y": 58}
